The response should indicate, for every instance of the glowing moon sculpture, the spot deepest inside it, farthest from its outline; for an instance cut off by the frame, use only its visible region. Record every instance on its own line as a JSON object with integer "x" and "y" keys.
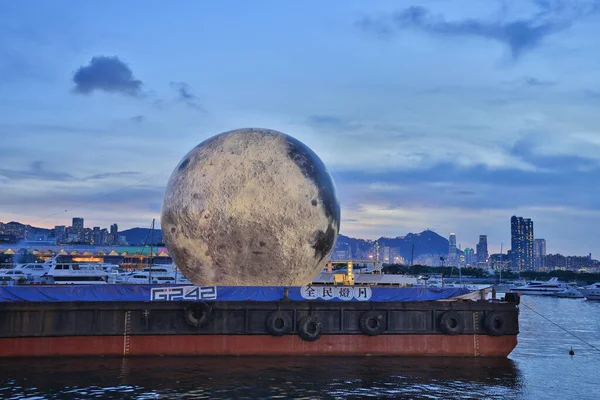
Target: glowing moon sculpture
{"x": 250, "y": 207}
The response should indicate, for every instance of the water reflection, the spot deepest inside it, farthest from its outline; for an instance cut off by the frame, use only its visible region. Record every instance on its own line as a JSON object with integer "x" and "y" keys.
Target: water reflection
{"x": 260, "y": 377}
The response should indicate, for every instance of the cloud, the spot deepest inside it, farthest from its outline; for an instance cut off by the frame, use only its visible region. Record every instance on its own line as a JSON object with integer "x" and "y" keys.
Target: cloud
{"x": 537, "y": 82}
{"x": 109, "y": 175}
{"x": 185, "y": 95}
{"x": 138, "y": 119}
{"x": 61, "y": 201}
{"x": 520, "y": 35}
{"x": 36, "y": 171}
{"x": 107, "y": 74}
{"x": 331, "y": 122}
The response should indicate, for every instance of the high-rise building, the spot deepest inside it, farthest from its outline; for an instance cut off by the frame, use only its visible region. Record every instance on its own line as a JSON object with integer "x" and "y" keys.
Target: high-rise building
{"x": 469, "y": 256}
{"x": 539, "y": 253}
{"x": 77, "y": 225}
{"x": 96, "y": 239}
{"x": 521, "y": 240}
{"x": 482, "y": 249}
{"x": 114, "y": 234}
{"x": 452, "y": 253}
{"x": 103, "y": 237}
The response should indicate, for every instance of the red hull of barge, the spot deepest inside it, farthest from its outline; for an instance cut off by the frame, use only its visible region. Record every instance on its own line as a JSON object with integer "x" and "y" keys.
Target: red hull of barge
{"x": 346, "y": 345}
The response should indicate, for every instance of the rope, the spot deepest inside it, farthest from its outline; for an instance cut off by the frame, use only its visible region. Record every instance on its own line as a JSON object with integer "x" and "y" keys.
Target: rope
{"x": 564, "y": 329}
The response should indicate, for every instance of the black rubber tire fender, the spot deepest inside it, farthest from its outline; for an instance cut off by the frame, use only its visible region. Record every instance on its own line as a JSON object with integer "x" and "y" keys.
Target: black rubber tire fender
{"x": 310, "y": 328}
{"x": 372, "y": 323}
{"x": 496, "y": 324}
{"x": 452, "y": 323}
{"x": 197, "y": 314}
{"x": 279, "y": 323}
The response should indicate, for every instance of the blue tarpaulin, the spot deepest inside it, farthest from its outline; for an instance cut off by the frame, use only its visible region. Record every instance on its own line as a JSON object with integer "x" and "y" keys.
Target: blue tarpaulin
{"x": 34, "y": 293}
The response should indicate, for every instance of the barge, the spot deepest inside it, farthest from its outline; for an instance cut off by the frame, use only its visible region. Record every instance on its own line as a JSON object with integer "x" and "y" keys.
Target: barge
{"x": 140, "y": 320}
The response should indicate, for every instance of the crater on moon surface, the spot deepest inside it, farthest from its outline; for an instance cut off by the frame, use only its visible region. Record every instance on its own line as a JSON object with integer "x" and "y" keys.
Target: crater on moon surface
{"x": 250, "y": 207}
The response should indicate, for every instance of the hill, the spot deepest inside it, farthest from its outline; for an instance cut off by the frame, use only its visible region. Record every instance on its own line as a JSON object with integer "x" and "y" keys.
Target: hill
{"x": 140, "y": 236}
{"x": 425, "y": 243}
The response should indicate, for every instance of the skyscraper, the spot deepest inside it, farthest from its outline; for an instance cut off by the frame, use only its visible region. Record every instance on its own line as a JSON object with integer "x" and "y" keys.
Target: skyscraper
{"x": 114, "y": 234}
{"x": 452, "y": 259}
{"x": 539, "y": 252}
{"x": 521, "y": 240}
{"x": 469, "y": 256}
{"x": 77, "y": 225}
{"x": 96, "y": 239}
{"x": 77, "y": 228}
{"x": 482, "y": 250}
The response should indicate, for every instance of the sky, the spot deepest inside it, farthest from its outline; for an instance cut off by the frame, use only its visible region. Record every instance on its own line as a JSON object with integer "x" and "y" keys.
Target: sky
{"x": 443, "y": 115}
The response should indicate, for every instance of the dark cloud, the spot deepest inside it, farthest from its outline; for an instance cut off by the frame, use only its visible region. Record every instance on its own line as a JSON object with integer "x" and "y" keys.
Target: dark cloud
{"x": 520, "y": 35}
{"x": 138, "y": 119}
{"x": 565, "y": 184}
{"x": 50, "y": 128}
{"x": 109, "y": 175}
{"x": 36, "y": 171}
{"x": 524, "y": 149}
{"x": 185, "y": 95}
{"x": 96, "y": 199}
{"x": 107, "y": 74}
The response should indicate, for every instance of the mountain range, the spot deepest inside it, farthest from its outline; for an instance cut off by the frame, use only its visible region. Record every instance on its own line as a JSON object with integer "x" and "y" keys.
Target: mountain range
{"x": 425, "y": 243}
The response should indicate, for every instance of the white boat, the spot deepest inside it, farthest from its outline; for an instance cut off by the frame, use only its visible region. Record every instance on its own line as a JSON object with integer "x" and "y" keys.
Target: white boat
{"x": 155, "y": 275}
{"x": 75, "y": 274}
{"x": 569, "y": 293}
{"x": 591, "y": 292}
{"x": 541, "y": 288}
{"x": 34, "y": 271}
{"x": 14, "y": 274}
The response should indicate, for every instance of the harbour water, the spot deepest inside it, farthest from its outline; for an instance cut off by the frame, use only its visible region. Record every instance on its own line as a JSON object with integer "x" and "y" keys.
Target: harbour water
{"x": 540, "y": 367}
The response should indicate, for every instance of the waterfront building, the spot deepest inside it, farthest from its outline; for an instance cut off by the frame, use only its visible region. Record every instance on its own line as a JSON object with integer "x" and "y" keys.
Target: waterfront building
{"x": 521, "y": 238}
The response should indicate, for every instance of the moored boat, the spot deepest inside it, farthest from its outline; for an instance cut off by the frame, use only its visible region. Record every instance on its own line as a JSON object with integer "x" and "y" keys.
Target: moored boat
{"x": 591, "y": 292}
{"x": 569, "y": 293}
{"x": 541, "y": 288}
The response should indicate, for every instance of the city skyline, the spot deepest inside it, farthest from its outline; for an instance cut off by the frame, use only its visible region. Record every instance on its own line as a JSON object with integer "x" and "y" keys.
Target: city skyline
{"x": 97, "y": 110}
{"x": 483, "y": 252}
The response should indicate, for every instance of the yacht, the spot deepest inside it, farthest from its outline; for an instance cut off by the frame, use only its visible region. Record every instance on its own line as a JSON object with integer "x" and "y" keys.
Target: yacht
{"x": 155, "y": 275}
{"x": 569, "y": 293}
{"x": 75, "y": 274}
{"x": 542, "y": 288}
{"x": 13, "y": 274}
{"x": 591, "y": 292}
{"x": 34, "y": 271}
